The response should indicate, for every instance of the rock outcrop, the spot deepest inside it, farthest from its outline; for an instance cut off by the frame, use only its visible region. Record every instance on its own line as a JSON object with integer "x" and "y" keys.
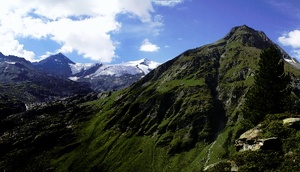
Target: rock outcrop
{"x": 250, "y": 141}
{"x": 292, "y": 122}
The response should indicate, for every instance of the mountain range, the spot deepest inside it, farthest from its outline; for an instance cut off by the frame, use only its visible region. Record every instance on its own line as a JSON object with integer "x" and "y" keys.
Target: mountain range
{"x": 21, "y": 81}
{"x": 101, "y": 77}
{"x": 184, "y": 115}
{"x": 57, "y": 77}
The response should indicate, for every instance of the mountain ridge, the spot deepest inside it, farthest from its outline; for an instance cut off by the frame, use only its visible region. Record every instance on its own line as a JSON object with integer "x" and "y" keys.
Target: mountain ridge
{"x": 57, "y": 64}
{"x": 183, "y": 106}
{"x": 21, "y": 85}
{"x": 101, "y": 77}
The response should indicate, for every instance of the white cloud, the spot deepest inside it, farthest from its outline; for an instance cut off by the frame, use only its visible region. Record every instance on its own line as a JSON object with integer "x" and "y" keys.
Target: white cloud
{"x": 84, "y": 26}
{"x": 12, "y": 46}
{"x": 147, "y": 46}
{"x": 169, "y": 3}
{"x": 291, "y": 39}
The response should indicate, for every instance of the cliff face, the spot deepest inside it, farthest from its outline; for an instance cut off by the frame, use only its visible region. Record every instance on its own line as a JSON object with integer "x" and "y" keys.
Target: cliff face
{"x": 181, "y": 116}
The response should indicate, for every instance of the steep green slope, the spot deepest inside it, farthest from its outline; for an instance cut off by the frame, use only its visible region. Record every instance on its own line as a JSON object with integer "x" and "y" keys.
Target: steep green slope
{"x": 182, "y": 116}
{"x": 171, "y": 119}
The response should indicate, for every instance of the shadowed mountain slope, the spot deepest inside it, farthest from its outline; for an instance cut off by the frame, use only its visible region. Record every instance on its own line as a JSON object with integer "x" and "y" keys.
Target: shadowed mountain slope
{"x": 56, "y": 65}
{"x": 21, "y": 82}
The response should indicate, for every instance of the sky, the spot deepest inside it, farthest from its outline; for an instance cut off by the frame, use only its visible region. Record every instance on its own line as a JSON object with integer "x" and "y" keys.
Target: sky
{"x": 116, "y": 31}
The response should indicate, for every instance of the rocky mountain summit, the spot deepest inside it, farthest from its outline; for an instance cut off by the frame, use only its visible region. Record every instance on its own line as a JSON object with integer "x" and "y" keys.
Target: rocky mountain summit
{"x": 56, "y": 65}
{"x": 182, "y": 116}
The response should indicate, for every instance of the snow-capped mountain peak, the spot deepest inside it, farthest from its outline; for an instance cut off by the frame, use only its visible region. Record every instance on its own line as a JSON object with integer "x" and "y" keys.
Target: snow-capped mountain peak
{"x": 144, "y": 62}
{"x": 101, "y": 77}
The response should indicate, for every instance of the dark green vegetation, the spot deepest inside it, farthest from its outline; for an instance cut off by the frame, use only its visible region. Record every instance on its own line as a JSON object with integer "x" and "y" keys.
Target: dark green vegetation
{"x": 271, "y": 90}
{"x": 284, "y": 159}
{"x": 26, "y": 137}
{"x": 182, "y": 116}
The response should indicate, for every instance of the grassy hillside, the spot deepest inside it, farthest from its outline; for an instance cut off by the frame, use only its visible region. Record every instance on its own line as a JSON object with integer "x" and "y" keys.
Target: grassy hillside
{"x": 174, "y": 118}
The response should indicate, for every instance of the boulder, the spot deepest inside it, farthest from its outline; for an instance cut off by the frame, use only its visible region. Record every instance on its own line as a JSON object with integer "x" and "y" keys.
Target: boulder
{"x": 250, "y": 134}
{"x": 272, "y": 143}
{"x": 293, "y": 122}
{"x": 250, "y": 141}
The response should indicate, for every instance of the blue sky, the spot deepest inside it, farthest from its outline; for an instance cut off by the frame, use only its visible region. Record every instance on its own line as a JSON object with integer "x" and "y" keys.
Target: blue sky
{"x": 116, "y": 31}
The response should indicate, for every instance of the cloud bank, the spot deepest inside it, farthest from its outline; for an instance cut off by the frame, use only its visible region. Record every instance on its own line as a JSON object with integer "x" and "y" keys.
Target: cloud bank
{"x": 292, "y": 39}
{"x": 82, "y": 26}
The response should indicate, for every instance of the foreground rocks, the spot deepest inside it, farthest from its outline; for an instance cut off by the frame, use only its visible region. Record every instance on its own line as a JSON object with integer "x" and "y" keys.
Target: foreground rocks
{"x": 272, "y": 143}
{"x": 292, "y": 122}
{"x": 250, "y": 141}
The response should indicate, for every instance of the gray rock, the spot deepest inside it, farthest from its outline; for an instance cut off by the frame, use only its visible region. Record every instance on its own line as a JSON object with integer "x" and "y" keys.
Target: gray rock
{"x": 250, "y": 141}
{"x": 272, "y": 143}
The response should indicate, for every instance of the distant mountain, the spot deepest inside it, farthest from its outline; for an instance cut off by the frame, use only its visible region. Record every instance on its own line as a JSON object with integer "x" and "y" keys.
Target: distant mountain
{"x": 58, "y": 65}
{"x": 20, "y": 80}
{"x": 14, "y": 59}
{"x": 112, "y": 77}
{"x": 81, "y": 70}
{"x": 101, "y": 77}
{"x": 143, "y": 67}
{"x": 57, "y": 77}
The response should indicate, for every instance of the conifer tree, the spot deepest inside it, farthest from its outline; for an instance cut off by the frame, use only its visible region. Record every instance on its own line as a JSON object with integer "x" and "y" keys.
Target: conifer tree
{"x": 271, "y": 89}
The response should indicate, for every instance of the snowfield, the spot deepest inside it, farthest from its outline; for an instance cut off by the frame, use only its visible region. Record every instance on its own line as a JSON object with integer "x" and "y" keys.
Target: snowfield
{"x": 143, "y": 66}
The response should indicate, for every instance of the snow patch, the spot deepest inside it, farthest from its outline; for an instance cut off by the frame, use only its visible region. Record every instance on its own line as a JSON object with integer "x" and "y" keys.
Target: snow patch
{"x": 74, "y": 78}
{"x": 290, "y": 60}
{"x": 78, "y": 67}
{"x": 142, "y": 66}
{"x": 293, "y": 62}
{"x": 117, "y": 70}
